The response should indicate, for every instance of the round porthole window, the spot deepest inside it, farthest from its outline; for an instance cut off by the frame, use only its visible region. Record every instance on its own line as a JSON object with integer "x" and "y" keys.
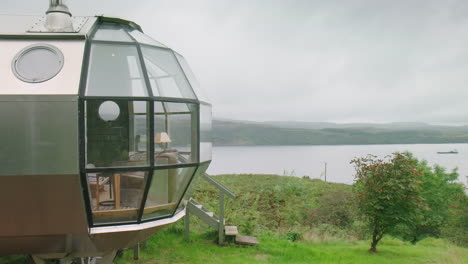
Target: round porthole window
{"x": 37, "y": 63}
{"x": 109, "y": 111}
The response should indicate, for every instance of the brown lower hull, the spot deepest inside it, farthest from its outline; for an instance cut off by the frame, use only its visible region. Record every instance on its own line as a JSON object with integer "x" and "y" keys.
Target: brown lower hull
{"x": 45, "y": 215}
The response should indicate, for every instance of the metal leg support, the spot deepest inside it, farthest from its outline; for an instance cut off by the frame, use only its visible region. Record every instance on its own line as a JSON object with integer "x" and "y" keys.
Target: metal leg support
{"x": 136, "y": 252}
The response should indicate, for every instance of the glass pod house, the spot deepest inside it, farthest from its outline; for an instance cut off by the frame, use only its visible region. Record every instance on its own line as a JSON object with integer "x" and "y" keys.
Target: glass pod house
{"x": 104, "y": 132}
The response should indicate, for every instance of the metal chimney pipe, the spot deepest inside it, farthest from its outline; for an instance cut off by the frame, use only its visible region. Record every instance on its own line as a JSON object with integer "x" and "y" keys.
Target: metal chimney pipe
{"x": 58, "y": 17}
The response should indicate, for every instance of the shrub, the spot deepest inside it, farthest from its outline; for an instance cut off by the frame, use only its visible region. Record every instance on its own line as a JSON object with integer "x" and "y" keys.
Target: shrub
{"x": 325, "y": 233}
{"x": 335, "y": 207}
{"x": 433, "y": 242}
{"x": 439, "y": 192}
{"x": 456, "y": 229}
{"x": 293, "y": 236}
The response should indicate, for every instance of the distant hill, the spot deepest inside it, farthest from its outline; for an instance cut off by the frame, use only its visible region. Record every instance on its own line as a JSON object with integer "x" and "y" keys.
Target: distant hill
{"x": 232, "y": 132}
{"x": 321, "y": 125}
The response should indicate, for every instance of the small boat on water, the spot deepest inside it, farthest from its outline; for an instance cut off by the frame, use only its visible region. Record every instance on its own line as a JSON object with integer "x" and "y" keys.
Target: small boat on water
{"x": 448, "y": 152}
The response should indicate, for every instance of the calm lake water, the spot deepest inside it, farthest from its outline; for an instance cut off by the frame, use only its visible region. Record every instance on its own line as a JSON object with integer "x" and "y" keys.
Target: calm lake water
{"x": 309, "y": 160}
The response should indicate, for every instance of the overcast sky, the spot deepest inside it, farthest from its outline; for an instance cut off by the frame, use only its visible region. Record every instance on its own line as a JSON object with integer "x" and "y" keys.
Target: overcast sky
{"x": 336, "y": 61}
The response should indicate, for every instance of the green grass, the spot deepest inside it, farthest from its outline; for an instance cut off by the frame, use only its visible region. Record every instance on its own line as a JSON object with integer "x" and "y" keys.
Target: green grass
{"x": 169, "y": 246}
{"x": 15, "y": 259}
{"x": 267, "y": 202}
{"x": 275, "y": 208}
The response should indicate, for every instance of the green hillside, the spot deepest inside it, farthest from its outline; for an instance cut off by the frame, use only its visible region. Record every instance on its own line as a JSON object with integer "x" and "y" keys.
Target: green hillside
{"x": 256, "y": 133}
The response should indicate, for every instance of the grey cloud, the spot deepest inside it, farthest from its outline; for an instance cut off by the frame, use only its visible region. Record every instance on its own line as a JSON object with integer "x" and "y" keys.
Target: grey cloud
{"x": 346, "y": 61}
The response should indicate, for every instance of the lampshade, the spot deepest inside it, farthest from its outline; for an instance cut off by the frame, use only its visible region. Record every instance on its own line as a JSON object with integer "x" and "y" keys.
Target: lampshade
{"x": 162, "y": 137}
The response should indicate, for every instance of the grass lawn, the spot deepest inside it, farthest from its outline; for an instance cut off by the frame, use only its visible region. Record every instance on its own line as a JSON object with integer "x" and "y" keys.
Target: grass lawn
{"x": 275, "y": 208}
{"x": 169, "y": 247}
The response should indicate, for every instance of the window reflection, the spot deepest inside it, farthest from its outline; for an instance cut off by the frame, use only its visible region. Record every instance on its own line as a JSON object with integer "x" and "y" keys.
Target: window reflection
{"x": 167, "y": 187}
{"x": 166, "y": 76}
{"x": 175, "y": 131}
{"x": 116, "y": 196}
{"x": 205, "y": 132}
{"x": 193, "y": 184}
{"x": 117, "y": 135}
{"x": 115, "y": 70}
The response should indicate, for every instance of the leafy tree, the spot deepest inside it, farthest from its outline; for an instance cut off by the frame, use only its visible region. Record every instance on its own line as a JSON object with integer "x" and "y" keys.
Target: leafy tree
{"x": 456, "y": 229}
{"x": 388, "y": 192}
{"x": 439, "y": 192}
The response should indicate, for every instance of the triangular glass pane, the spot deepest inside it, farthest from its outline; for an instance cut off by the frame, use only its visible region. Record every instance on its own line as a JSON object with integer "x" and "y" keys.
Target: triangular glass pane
{"x": 167, "y": 187}
{"x": 163, "y": 66}
{"x": 158, "y": 108}
{"x": 177, "y": 107}
{"x": 168, "y": 87}
{"x": 199, "y": 92}
{"x": 193, "y": 184}
{"x": 205, "y": 132}
{"x": 111, "y": 32}
{"x": 115, "y": 70}
{"x": 144, "y": 39}
{"x": 153, "y": 84}
{"x": 154, "y": 70}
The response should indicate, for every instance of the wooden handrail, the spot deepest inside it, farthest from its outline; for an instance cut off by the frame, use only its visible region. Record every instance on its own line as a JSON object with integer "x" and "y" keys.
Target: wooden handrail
{"x": 220, "y": 187}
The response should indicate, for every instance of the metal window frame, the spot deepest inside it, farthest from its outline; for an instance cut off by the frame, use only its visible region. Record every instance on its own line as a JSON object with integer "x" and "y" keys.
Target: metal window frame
{"x": 195, "y": 166}
{"x": 33, "y": 47}
{"x": 82, "y": 98}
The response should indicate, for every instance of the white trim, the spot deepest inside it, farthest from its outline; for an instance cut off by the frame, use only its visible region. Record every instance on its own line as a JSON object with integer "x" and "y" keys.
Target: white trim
{"x": 136, "y": 227}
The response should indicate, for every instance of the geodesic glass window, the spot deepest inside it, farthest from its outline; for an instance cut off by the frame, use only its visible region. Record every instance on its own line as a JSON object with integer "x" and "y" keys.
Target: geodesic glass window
{"x": 143, "y": 125}
{"x": 205, "y": 132}
{"x": 167, "y": 188}
{"x": 116, "y": 196}
{"x": 175, "y": 133}
{"x": 117, "y": 133}
{"x": 37, "y": 63}
{"x": 200, "y": 93}
{"x": 111, "y": 32}
{"x": 115, "y": 70}
{"x": 165, "y": 74}
{"x": 144, "y": 39}
{"x": 201, "y": 170}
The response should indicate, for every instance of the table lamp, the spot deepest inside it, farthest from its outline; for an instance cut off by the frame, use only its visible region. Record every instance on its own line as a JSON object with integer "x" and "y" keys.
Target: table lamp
{"x": 162, "y": 138}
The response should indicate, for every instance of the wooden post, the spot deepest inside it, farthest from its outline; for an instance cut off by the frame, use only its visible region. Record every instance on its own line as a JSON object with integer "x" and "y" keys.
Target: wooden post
{"x": 325, "y": 172}
{"x": 97, "y": 191}
{"x": 187, "y": 224}
{"x": 117, "y": 190}
{"x": 221, "y": 218}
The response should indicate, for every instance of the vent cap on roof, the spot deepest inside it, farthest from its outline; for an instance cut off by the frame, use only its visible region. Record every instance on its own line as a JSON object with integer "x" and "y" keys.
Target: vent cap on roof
{"x": 58, "y": 17}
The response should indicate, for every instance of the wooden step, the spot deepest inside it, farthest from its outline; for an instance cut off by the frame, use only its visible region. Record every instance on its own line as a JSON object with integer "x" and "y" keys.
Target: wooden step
{"x": 196, "y": 204}
{"x": 246, "y": 240}
{"x": 231, "y": 231}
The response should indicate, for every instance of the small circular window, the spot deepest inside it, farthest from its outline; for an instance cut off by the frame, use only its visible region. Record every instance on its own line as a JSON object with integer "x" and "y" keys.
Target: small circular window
{"x": 109, "y": 111}
{"x": 37, "y": 63}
